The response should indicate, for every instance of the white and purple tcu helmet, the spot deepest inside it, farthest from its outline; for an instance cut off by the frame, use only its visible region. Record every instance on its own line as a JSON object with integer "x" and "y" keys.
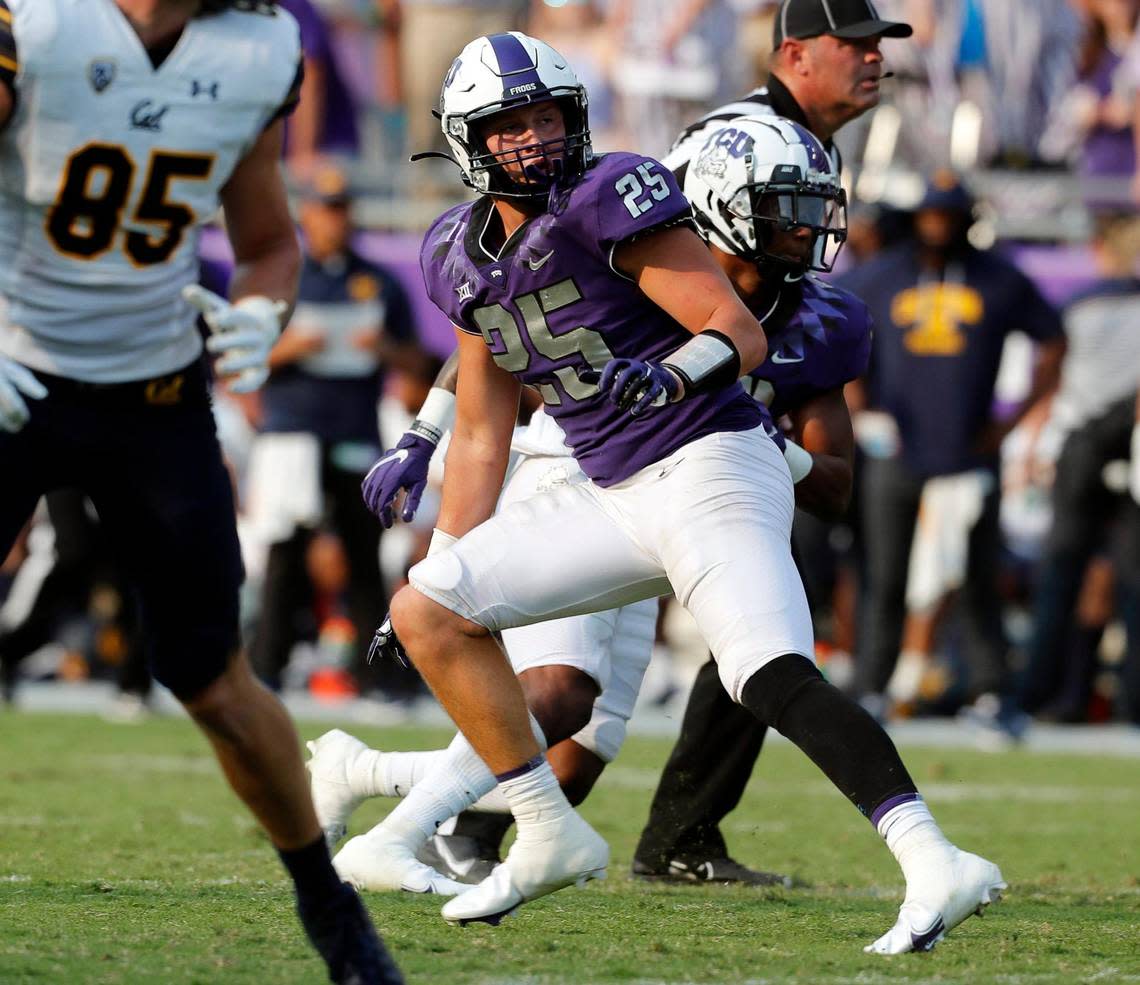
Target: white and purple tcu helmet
{"x": 502, "y": 71}
{"x": 757, "y": 174}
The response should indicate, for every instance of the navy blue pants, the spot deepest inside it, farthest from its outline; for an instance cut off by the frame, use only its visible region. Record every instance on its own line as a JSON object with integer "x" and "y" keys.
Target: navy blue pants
{"x": 147, "y": 455}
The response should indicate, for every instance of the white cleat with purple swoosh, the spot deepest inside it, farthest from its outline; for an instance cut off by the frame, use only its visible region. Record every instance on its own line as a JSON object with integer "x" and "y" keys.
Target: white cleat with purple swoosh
{"x": 961, "y": 886}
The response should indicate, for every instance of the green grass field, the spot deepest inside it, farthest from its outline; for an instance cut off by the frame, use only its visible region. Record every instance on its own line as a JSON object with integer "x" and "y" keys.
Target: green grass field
{"x": 123, "y": 858}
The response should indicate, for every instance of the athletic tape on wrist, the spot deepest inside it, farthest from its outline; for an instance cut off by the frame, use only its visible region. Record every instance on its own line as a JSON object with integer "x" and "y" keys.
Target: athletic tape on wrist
{"x": 435, "y": 416}
{"x": 441, "y": 540}
{"x": 708, "y": 361}
{"x": 799, "y": 460}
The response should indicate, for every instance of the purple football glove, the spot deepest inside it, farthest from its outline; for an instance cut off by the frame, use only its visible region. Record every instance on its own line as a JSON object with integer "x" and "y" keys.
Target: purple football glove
{"x": 638, "y": 386}
{"x": 404, "y": 467}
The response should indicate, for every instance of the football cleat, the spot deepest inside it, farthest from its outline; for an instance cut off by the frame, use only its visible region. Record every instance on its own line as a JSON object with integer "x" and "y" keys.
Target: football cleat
{"x": 333, "y": 756}
{"x": 380, "y": 862}
{"x": 723, "y": 870}
{"x": 467, "y": 860}
{"x": 965, "y": 886}
{"x": 546, "y": 856}
{"x": 343, "y": 935}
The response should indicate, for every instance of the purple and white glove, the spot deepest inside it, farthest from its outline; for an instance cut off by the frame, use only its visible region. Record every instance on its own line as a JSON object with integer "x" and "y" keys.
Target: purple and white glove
{"x": 404, "y": 467}
{"x": 639, "y": 386}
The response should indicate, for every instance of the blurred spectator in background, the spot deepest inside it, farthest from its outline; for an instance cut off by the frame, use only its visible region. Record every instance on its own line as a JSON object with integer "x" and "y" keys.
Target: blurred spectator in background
{"x": 576, "y": 28}
{"x": 673, "y": 59}
{"x": 325, "y": 119}
{"x": 1128, "y": 79}
{"x": 942, "y": 311}
{"x": 1016, "y": 62}
{"x": 1100, "y": 105}
{"x": 431, "y": 34}
{"x": 984, "y": 83}
{"x": 319, "y": 436}
{"x": 757, "y": 25}
{"x": 1096, "y": 408}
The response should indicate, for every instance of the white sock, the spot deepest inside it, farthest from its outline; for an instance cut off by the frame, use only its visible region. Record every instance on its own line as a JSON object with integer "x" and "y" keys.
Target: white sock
{"x": 534, "y": 795}
{"x": 455, "y": 782}
{"x": 390, "y": 774}
{"x": 493, "y": 803}
{"x": 911, "y": 833}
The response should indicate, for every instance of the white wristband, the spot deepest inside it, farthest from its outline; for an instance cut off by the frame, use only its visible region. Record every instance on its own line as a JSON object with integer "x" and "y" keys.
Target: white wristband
{"x": 441, "y": 540}
{"x": 436, "y": 415}
{"x": 799, "y": 460}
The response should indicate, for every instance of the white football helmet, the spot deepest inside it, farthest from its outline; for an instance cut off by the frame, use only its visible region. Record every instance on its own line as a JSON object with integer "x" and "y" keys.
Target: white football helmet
{"x": 498, "y": 72}
{"x": 757, "y": 174}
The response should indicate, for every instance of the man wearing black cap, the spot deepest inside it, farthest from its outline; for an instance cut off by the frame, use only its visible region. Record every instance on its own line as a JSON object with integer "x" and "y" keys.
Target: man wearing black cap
{"x": 825, "y": 71}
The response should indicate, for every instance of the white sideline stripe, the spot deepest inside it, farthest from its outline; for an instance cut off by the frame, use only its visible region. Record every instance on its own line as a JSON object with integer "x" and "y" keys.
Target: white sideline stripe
{"x": 863, "y": 978}
{"x": 127, "y": 763}
{"x": 94, "y": 697}
{"x": 633, "y": 778}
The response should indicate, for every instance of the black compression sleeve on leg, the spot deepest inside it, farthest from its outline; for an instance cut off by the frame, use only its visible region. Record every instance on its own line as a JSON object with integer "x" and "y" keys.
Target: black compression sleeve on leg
{"x": 836, "y": 734}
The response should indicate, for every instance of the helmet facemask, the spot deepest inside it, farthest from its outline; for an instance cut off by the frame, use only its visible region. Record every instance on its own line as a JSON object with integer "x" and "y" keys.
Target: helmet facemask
{"x": 759, "y": 176}
{"x": 506, "y": 71}
{"x": 566, "y": 156}
{"x": 784, "y": 203}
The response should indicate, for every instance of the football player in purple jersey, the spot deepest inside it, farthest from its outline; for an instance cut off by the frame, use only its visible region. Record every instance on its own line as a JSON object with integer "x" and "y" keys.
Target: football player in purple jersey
{"x": 819, "y": 339}
{"x": 581, "y": 277}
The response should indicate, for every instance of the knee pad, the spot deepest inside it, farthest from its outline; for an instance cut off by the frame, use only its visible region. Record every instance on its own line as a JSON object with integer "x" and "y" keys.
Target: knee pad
{"x": 771, "y": 689}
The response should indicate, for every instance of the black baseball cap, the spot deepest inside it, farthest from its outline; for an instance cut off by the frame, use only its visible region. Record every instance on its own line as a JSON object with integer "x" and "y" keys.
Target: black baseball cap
{"x": 839, "y": 18}
{"x": 945, "y": 190}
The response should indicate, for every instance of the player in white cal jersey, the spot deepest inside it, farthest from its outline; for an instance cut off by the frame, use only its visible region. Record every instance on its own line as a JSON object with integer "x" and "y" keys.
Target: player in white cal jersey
{"x": 124, "y": 124}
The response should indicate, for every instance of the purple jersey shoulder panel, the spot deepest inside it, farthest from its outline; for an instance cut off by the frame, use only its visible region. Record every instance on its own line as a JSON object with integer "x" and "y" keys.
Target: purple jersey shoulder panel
{"x": 825, "y": 343}
{"x": 626, "y": 195}
{"x": 443, "y": 263}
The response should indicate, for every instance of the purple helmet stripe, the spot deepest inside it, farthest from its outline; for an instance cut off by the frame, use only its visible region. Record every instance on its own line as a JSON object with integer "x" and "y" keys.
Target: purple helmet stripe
{"x": 516, "y": 67}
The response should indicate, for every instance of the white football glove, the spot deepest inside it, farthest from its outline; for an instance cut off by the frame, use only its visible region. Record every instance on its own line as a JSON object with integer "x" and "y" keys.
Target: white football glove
{"x": 243, "y": 334}
{"x": 17, "y": 382}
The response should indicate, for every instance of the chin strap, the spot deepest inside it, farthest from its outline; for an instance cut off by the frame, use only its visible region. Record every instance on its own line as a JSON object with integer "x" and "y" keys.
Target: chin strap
{"x": 424, "y": 155}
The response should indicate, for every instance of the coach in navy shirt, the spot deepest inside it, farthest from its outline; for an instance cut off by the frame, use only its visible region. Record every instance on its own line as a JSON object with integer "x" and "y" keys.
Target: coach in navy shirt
{"x": 319, "y": 431}
{"x": 942, "y": 311}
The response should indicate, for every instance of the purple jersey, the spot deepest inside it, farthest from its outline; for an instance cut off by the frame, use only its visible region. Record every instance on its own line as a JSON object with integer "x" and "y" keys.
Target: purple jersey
{"x": 551, "y": 305}
{"x": 819, "y": 338}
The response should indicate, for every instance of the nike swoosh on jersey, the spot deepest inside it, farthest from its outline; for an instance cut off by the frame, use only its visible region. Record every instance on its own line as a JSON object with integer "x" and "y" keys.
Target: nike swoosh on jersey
{"x": 779, "y": 358}
{"x": 540, "y": 262}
